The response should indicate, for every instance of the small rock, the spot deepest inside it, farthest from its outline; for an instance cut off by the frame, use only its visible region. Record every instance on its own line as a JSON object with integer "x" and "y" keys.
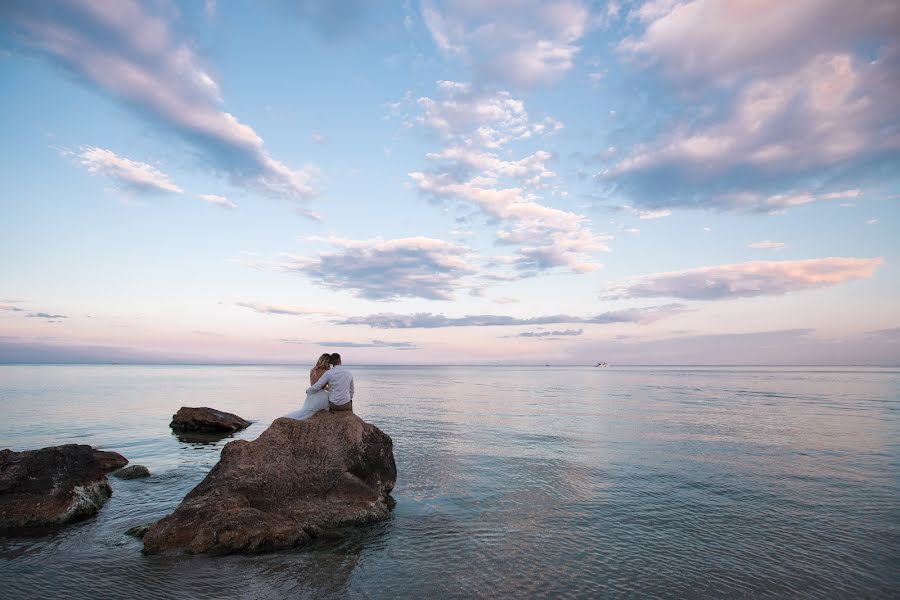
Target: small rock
{"x": 54, "y": 485}
{"x": 206, "y": 419}
{"x": 131, "y": 472}
{"x": 297, "y": 480}
{"x": 110, "y": 461}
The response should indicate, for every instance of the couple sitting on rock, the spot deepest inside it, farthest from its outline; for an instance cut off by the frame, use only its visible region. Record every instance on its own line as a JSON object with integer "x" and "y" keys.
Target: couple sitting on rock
{"x": 331, "y": 388}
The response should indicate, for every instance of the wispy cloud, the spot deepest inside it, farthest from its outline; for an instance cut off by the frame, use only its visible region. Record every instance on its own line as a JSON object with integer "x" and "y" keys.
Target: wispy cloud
{"x": 473, "y": 118}
{"x": 523, "y": 43}
{"x": 372, "y": 344}
{"x": 273, "y": 309}
{"x": 133, "y": 55}
{"x": 767, "y": 245}
{"x": 217, "y": 200}
{"x": 434, "y": 321}
{"x": 744, "y": 280}
{"x": 130, "y": 175}
{"x": 506, "y": 192}
{"x": 548, "y": 334}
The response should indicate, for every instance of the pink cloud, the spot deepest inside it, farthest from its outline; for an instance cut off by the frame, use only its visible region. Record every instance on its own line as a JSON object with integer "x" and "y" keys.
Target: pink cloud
{"x": 744, "y": 280}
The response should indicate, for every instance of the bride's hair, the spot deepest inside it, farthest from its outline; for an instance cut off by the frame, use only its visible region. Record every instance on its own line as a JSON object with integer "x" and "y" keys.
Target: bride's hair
{"x": 324, "y": 362}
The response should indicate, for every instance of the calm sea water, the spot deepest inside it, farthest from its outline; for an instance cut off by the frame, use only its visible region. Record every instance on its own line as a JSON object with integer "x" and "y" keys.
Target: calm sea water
{"x": 513, "y": 482}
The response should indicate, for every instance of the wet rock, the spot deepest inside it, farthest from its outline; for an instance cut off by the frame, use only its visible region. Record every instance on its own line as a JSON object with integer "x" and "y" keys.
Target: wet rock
{"x": 138, "y": 531}
{"x": 131, "y": 472}
{"x": 109, "y": 461}
{"x": 54, "y": 485}
{"x": 206, "y": 419}
{"x": 296, "y": 480}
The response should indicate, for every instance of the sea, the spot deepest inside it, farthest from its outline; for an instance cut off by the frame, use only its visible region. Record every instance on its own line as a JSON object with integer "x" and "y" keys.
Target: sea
{"x": 513, "y": 482}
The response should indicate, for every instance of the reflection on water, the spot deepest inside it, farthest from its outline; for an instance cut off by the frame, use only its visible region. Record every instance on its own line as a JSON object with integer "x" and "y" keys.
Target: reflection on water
{"x": 562, "y": 482}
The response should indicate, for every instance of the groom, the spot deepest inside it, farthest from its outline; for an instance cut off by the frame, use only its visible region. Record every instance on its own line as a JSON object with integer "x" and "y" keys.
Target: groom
{"x": 340, "y": 396}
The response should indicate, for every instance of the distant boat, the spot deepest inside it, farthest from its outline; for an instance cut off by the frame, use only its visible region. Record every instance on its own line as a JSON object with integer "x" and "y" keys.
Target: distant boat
{"x": 602, "y": 364}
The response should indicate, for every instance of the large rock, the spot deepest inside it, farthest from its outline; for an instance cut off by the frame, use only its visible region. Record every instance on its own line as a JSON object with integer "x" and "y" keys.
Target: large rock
{"x": 297, "y": 479}
{"x": 206, "y": 420}
{"x": 54, "y": 485}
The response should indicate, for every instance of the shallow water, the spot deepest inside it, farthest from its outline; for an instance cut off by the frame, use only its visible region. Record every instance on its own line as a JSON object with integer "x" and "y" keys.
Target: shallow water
{"x": 540, "y": 481}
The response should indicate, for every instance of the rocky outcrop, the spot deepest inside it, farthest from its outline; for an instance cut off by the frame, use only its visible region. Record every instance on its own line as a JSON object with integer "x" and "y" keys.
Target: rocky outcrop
{"x": 206, "y": 420}
{"x": 54, "y": 485}
{"x": 131, "y": 472}
{"x": 296, "y": 480}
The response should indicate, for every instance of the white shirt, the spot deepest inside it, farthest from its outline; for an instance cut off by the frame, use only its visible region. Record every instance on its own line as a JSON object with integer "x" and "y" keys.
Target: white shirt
{"x": 341, "y": 380}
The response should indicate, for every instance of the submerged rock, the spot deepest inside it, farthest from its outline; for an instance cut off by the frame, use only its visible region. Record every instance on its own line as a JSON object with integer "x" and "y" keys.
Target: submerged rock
{"x": 138, "y": 531}
{"x": 206, "y": 419}
{"x": 54, "y": 485}
{"x": 131, "y": 472}
{"x": 296, "y": 480}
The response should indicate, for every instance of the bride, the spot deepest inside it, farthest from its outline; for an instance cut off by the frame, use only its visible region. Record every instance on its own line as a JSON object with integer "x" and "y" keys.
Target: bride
{"x": 318, "y": 400}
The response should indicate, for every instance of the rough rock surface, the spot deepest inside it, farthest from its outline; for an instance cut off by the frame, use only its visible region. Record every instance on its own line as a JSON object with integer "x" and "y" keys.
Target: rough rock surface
{"x": 54, "y": 485}
{"x": 296, "y": 480}
{"x": 131, "y": 472}
{"x": 206, "y": 419}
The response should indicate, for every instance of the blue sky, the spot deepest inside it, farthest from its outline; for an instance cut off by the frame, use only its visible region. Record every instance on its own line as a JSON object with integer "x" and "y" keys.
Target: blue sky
{"x": 450, "y": 181}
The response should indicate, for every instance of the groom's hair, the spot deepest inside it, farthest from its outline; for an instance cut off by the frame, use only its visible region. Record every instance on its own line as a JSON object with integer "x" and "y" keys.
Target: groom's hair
{"x": 335, "y": 359}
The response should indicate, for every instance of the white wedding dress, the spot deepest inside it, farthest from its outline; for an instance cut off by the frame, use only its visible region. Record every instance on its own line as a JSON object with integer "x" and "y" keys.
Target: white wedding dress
{"x": 315, "y": 402}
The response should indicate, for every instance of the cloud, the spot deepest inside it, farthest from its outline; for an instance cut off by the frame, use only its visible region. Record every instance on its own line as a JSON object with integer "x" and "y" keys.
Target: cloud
{"x": 546, "y": 237}
{"x": 132, "y": 176}
{"x": 271, "y": 309}
{"x": 475, "y": 124}
{"x": 872, "y": 222}
{"x": 433, "y": 321}
{"x": 767, "y": 245}
{"x": 133, "y": 56}
{"x": 11, "y": 308}
{"x": 651, "y": 214}
{"x": 721, "y": 40}
{"x": 372, "y": 344}
{"x": 524, "y": 43}
{"x": 474, "y": 118}
{"x": 416, "y": 267}
{"x": 42, "y": 315}
{"x": 332, "y": 20}
{"x": 822, "y": 115}
{"x": 547, "y": 334}
{"x": 746, "y": 280}
{"x": 218, "y": 200}
{"x": 809, "y": 103}
{"x": 531, "y": 170}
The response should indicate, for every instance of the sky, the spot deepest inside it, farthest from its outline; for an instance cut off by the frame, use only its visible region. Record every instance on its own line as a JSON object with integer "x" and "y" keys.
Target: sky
{"x": 450, "y": 181}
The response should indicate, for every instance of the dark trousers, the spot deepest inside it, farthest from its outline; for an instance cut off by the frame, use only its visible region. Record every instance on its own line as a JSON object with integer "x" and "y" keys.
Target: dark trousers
{"x": 339, "y": 407}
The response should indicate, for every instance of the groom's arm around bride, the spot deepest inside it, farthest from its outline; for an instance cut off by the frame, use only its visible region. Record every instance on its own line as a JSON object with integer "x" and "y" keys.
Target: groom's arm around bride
{"x": 342, "y": 388}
